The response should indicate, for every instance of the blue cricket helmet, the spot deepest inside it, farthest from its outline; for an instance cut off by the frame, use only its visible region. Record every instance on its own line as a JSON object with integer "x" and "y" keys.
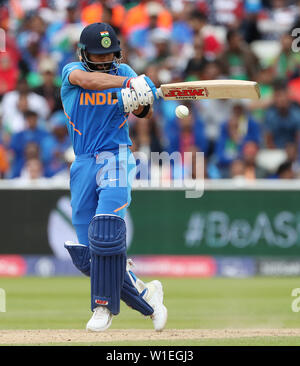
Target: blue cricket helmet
{"x": 99, "y": 39}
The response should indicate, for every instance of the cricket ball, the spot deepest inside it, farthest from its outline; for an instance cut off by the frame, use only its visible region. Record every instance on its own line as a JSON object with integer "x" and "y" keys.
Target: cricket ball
{"x": 182, "y": 111}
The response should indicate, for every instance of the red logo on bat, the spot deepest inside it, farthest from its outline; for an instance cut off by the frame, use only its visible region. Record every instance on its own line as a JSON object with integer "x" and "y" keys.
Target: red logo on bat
{"x": 101, "y": 302}
{"x": 190, "y": 93}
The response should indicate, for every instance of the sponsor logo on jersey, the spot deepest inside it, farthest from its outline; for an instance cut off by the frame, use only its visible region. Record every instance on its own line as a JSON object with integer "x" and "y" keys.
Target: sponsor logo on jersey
{"x": 97, "y": 98}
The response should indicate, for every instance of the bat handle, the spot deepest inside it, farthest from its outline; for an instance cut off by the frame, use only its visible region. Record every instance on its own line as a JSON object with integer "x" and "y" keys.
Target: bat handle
{"x": 160, "y": 93}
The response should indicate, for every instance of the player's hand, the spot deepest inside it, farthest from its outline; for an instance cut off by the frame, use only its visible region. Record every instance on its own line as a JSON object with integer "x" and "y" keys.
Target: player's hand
{"x": 127, "y": 100}
{"x": 145, "y": 89}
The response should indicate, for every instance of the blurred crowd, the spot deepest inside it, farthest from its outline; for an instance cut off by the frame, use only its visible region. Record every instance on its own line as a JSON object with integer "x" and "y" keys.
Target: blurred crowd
{"x": 170, "y": 41}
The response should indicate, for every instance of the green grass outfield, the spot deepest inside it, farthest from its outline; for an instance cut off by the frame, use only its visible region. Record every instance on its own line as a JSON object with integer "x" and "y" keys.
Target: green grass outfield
{"x": 215, "y": 303}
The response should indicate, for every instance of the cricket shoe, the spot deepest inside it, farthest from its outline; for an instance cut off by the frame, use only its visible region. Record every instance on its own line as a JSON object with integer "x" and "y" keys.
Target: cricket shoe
{"x": 154, "y": 297}
{"x": 100, "y": 321}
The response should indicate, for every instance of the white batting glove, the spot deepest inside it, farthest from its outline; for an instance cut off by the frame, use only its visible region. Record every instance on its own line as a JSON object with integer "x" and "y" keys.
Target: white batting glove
{"x": 144, "y": 88}
{"x": 127, "y": 100}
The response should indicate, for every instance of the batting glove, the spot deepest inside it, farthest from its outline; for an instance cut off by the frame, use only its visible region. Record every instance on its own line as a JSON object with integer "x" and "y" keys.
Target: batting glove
{"x": 127, "y": 100}
{"x": 145, "y": 89}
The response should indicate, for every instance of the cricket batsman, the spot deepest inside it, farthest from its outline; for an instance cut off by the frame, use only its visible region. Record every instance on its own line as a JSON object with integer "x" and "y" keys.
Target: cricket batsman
{"x": 101, "y": 175}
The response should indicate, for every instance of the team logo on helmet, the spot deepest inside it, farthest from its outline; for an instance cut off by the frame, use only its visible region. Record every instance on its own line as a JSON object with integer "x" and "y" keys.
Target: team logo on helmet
{"x": 105, "y": 42}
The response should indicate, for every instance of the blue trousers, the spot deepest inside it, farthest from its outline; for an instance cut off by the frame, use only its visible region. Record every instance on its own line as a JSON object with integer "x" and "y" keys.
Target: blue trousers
{"x": 100, "y": 184}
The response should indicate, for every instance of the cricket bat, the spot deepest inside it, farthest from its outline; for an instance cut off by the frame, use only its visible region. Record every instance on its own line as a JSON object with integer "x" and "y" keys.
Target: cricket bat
{"x": 209, "y": 89}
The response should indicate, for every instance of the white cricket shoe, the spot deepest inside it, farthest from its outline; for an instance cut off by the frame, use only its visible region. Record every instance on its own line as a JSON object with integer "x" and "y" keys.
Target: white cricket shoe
{"x": 154, "y": 297}
{"x": 100, "y": 321}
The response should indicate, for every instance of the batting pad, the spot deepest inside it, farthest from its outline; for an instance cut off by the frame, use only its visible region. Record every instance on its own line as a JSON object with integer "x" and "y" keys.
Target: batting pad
{"x": 80, "y": 255}
{"x": 132, "y": 297}
{"x": 107, "y": 239}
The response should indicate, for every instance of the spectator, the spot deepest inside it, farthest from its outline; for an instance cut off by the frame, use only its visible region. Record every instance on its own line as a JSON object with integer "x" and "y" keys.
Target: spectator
{"x": 16, "y": 102}
{"x": 249, "y": 154}
{"x": 104, "y": 11}
{"x": 213, "y": 111}
{"x": 287, "y": 64}
{"x": 237, "y": 170}
{"x": 161, "y": 40}
{"x": 245, "y": 168}
{"x": 49, "y": 88}
{"x": 19, "y": 141}
{"x": 72, "y": 17}
{"x": 292, "y": 152}
{"x": 32, "y": 151}
{"x": 264, "y": 77}
{"x": 56, "y": 145}
{"x": 62, "y": 36}
{"x": 32, "y": 173}
{"x": 239, "y": 62}
{"x": 228, "y": 13}
{"x": 196, "y": 64}
{"x": 285, "y": 171}
{"x": 239, "y": 129}
{"x": 276, "y": 20}
{"x": 140, "y": 38}
{"x": 282, "y": 121}
{"x": 139, "y": 16}
{"x": 33, "y": 169}
{"x": 181, "y": 33}
{"x": 249, "y": 27}
{"x": 211, "y": 45}
{"x": 33, "y": 43}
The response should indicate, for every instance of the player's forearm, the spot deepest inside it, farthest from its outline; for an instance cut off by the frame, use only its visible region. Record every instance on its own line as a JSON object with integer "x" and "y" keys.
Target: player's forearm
{"x": 95, "y": 81}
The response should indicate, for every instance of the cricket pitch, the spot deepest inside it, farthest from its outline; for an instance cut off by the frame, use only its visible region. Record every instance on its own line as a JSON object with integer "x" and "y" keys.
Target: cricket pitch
{"x": 46, "y": 336}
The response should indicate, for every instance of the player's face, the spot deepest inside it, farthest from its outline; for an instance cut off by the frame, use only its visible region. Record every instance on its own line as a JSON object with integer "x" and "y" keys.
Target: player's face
{"x": 104, "y": 61}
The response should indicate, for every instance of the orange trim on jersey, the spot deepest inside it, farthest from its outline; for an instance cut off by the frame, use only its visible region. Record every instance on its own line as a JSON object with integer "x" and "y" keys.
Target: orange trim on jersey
{"x": 120, "y": 208}
{"x": 123, "y": 123}
{"x": 72, "y": 124}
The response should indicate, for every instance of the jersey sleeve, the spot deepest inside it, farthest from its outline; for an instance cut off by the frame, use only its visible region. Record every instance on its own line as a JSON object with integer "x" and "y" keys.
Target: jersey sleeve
{"x": 67, "y": 70}
{"x": 126, "y": 70}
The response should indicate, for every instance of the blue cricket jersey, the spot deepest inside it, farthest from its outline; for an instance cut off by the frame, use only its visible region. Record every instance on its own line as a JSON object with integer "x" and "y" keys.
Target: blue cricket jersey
{"x": 94, "y": 120}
